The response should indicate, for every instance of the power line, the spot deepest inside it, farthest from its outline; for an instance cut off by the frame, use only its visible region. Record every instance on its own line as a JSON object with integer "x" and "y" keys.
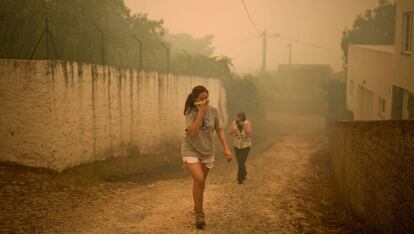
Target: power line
{"x": 276, "y": 36}
{"x": 238, "y": 42}
{"x": 250, "y": 18}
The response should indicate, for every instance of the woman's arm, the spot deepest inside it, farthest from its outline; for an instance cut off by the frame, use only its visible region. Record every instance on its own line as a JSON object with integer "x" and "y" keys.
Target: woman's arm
{"x": 222, "y": 137}
{"x": 233, "y": 128}
{"x": 193, "y": 129}
{"x": 247, "y": 128}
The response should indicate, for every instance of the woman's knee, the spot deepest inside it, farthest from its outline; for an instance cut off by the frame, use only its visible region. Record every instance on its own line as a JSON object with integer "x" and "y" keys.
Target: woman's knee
{"x": 199, "y": 180}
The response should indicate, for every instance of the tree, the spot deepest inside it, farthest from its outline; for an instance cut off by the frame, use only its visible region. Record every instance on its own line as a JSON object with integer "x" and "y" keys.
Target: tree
{"x": 100, "y": 31}
{"x": 376, "y": 27}
{"x": 191, "y": 45}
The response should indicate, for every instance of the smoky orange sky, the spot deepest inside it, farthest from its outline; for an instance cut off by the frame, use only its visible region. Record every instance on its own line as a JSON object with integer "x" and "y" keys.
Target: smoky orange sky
{"x": 316, "y": 22}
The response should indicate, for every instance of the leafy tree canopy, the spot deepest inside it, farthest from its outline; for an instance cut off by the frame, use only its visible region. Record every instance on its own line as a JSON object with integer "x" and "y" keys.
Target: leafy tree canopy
{"x": 100, "y": 31}
{"x": 375, "y": 27}
{"x": 185, "y": 42}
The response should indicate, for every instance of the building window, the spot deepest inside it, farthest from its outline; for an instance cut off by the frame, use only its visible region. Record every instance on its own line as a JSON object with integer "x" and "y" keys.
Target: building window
{"x": 407, "y": 31}
{"x": 381, "y": 107}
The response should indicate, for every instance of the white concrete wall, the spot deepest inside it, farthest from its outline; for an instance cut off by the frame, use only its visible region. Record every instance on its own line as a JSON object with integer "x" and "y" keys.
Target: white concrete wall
{"x": 404, "y": 62}
{"x": 372, "y": 71}
{"x": 59, "y": 114}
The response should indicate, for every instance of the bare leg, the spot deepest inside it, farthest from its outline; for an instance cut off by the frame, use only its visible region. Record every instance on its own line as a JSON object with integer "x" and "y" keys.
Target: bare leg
{"x": 205, "y": 171}
{"x": 199, "y": 173}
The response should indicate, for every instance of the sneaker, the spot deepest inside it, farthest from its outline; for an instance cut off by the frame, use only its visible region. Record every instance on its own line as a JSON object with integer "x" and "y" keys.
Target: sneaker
{"x": 200, "y": 221}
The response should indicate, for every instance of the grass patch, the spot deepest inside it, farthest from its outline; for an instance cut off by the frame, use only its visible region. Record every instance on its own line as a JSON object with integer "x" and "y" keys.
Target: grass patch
{"x": 135, "y": 167}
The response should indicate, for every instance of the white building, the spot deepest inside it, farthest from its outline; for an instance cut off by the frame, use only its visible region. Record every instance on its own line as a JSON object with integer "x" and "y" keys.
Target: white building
{"x": 380, "y": 79}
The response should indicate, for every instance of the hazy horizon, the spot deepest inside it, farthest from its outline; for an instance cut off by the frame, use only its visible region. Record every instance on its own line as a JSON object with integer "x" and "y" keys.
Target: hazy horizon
{"x": 320, "y": 23}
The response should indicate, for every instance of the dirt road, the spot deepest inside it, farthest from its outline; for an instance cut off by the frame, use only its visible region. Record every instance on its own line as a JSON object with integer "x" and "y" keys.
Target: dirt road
{"x": 289, "y": 189}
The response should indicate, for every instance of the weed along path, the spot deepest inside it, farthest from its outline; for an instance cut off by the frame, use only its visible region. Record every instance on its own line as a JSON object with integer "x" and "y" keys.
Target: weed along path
{"x": 289, "y": 189}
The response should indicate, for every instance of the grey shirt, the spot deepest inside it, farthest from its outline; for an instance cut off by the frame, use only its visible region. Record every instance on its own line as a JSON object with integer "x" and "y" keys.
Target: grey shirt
{"x": 201, "y": 145}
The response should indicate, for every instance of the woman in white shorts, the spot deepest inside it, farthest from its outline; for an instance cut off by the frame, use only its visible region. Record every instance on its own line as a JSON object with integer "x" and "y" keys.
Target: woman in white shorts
{"x": 197, "y": 149}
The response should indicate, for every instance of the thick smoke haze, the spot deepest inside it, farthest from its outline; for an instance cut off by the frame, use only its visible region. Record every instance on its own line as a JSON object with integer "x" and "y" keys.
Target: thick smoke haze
{"x": 318, "y": 22}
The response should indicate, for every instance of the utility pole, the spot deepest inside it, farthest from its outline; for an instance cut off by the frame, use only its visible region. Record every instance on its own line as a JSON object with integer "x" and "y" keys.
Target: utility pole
{"x": 168, "y": 56}
{"x": 47, "y": 38}
{"x": 48, "y": 34}
{"x": 264, "y": 52}
{"x": 47, "y": 30}
{"x": 188, "y": 61}
{"x": 102, "y": 43}
{"x": 290, "y": 67}
{"x": 168, "y": 60}
{"x": 140, "y": 51}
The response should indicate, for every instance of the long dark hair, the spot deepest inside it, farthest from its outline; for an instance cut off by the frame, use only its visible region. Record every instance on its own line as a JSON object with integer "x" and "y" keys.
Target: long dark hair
{"x": 242, "y": 118}
{"x": 189, "y": 103}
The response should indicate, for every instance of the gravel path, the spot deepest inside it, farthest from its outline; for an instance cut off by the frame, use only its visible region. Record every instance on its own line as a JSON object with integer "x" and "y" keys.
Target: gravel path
{"x": 289, "y": 189}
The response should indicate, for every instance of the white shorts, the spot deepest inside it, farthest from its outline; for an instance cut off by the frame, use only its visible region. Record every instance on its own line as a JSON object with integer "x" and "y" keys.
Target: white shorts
{"x": 209, "y": 163}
